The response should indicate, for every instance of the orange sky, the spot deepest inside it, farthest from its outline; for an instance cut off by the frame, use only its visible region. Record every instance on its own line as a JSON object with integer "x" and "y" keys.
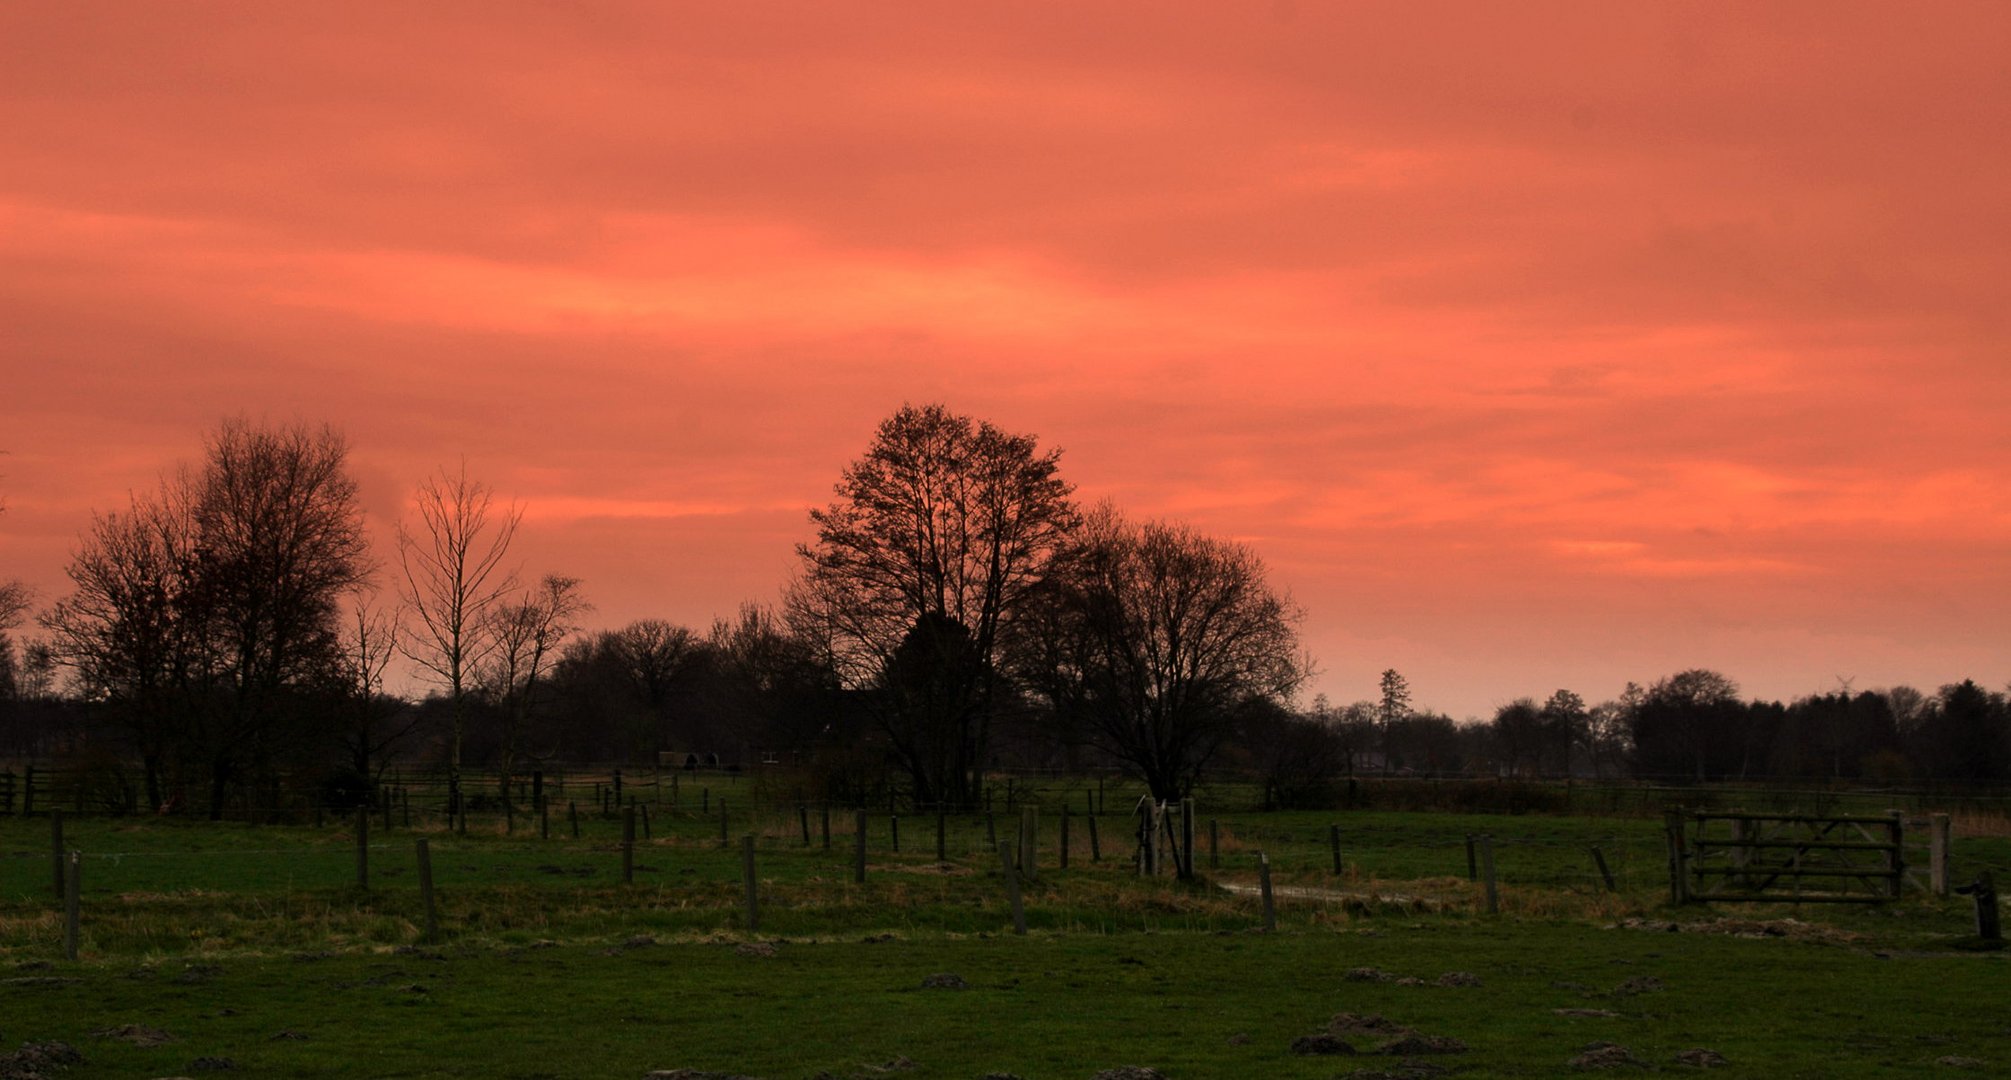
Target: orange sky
{"x": 1532, "y": 345}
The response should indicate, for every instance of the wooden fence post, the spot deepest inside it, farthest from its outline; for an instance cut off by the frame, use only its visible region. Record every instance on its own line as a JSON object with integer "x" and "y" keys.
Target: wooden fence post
{"x": 362, "y": 848}
{"x": 859, "y": 848}
{"x": 28, "y": 791}
{"x": 1095, "y": 845}
{"x": 1264, "y": 885}
{"x": 1061, "y": 854}
{"x": 72, "y": 904}
{"x": 723, "y": 841}
{"x": 628, "y": 845}
{"x": 1187, "y": 837}
{"x": 573, "y": 812}
{"x": 1599, "y": 860}
{"x": 942, "y": 847}
{"x": 426, "y": 890}
{"x": 803, "y": 818}
{"x": 1937, "y": 854}
{"x": 57, "y": 856}
{"x": 1334, "y": 842}
{"x": 747, "y": 876}
{"x": 1214, "y": 844}
{"x": 1472, "y": 864}
{"x": 1487, "y": 872}
{"x": 1030, "y": 850}
{"x": 1895, "y": 860}
{"x": 1679, "y": 869}
{"x": 1012, "y": 887}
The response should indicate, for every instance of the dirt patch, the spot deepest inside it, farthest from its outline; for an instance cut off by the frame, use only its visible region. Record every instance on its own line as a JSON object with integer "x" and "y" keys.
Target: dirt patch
{"x": 1371, "y": 1024}
{"x": 1413, "y": 1044}
{"x": 758, "y": 949}
{"x": 37, "y": 1060}
{"x": 1700, "y": 1058}
{"x": 1321, "y": 1044}
{"x": 1606, "y": 1055}
{"x": 137, "y": 1034}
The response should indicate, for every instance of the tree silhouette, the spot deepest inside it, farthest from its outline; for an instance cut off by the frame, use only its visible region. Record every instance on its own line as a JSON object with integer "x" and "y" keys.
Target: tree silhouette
{"x": 944, "y": 523}
{"x": 1156, "y": 641}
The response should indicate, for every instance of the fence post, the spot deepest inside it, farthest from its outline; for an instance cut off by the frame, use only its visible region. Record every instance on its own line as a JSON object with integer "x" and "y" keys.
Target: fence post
{"x": 362, "y": 848}
{"x": 942, "y": 846}
{"x": 1012, "y": 887}
{"x": 1062, "y": 853}
{"x": 1984, "y": 891}
{"x": 859, "y": 848}
{"x": 72, "y": 904}
{"x": 628, "y": 845}
{"x": 646, "y": 833}
{"x": 1030, "y": 851}
{"x": 747, "y": 875}
{"x": 1334, "y": 842}
{"x": 1487, "y": 869}
{"x": 1472, "y": 864}
{"x": 1679, "y": 870}
{"x": 1895, "y": 862}
{"x": 426, "y": 890}
{"x": 1187, "y": 837}
{"x": 1937, "y": 854}
{"x": 1264, "y": 885}
{"x": 824, "y": 824}
{"x": 723, "y": 841}
{"x": 1214, "y": 844}
{"x": 803, "y": 817}
{"x": 57, "y": 857}
{"x": 1599, "y": 860}
{"x": 28, "y": 791}
{"x": 1095, "y": 845}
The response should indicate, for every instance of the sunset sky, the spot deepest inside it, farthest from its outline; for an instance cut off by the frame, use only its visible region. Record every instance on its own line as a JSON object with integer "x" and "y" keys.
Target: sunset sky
{"x": 1531, "y": 345}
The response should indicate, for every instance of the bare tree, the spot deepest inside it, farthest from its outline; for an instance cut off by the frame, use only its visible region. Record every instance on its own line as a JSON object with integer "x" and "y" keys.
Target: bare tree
{"x": 1157, "y": 640}
{"x": 452, "y": 575}
{"x": 377, "y": 722}
{"x": 938, "y": 535}
{"x": 527, "y": 632}
{"x": 207, "y": 613}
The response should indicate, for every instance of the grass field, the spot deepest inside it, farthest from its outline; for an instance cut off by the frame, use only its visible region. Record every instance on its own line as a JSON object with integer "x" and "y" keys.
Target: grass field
{"x": 253, "y": 944}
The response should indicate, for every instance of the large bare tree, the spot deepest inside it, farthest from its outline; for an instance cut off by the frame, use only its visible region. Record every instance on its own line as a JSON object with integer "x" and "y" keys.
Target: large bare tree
{"x": 1155, "y": 641}
{"x": 207, "y": 612}
{"x": 452, "y": 575}
{"x": 938, "y": 535}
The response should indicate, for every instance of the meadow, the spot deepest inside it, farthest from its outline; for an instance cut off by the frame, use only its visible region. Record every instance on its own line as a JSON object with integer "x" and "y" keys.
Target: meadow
{"x": 209, "y": 943}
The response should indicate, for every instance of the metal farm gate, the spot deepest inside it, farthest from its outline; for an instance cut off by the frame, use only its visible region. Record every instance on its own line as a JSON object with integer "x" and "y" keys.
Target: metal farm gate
{"x": 1785, "y": 858}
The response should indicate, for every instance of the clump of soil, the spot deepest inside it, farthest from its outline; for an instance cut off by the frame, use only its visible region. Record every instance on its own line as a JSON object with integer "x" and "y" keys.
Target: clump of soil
{"x": 1321, "y": 1043}
{"x": 1408, "y": 1045}
{"x": 34, "y": 1061}
{"x": 1701, "y": 1058}
{"x": 1605, "y": 1055}
{"x": 1459, "y": 978}
{"x": 1639, "y": 984}
{"x": 137, "y": 1034}
{"x": 761, "y": 949}
{"x": 1371, "y": 1024}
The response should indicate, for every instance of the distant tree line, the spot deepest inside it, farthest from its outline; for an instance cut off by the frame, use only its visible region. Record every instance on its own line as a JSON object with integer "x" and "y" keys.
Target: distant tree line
{"x": 228, "y": 644}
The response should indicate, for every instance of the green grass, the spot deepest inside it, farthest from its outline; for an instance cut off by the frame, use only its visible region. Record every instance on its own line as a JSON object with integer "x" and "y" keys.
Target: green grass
{"x": 1191, "y": 1005}
{"x": 227, "y": 934}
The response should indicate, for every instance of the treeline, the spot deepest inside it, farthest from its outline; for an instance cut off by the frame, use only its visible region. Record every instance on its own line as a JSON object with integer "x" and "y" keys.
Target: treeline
{"x": 1689, "y": 727}
{"x": 227, "y": 639}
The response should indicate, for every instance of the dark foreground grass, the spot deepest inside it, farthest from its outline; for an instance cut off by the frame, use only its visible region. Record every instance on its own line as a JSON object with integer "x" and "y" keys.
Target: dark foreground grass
{"x": 1190, "y": 1005}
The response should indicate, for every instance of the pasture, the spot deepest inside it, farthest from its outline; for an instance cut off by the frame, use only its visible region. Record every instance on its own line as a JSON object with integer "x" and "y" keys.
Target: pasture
{"x": 254, "y": 944}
